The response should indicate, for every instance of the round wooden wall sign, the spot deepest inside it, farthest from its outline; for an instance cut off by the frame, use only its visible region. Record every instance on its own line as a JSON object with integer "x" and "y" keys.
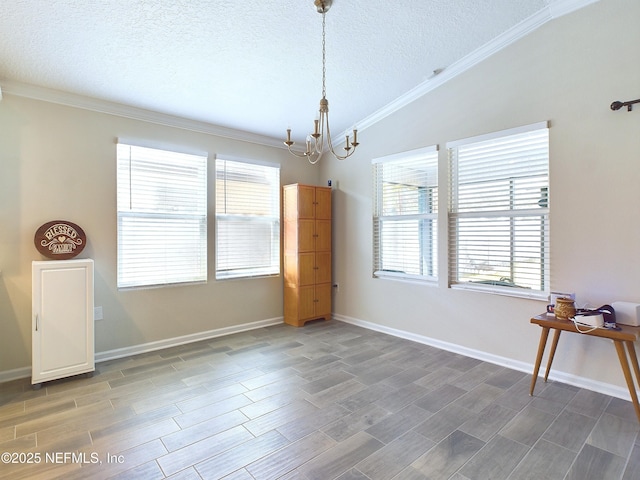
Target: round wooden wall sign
{"x": 60, "y": 240}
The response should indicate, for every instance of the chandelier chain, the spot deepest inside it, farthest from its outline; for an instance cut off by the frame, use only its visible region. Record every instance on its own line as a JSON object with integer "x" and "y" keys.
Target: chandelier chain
{"x": 324, "y": 58}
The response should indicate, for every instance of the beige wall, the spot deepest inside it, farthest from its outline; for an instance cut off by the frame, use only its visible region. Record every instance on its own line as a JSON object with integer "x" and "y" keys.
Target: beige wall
{"x": 58, "y": 162}
{"x": 568, "y": 72}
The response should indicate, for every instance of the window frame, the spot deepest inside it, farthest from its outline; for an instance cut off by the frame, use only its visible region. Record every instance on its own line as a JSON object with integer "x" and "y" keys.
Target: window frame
{"x": 274, "y": 269}
{"x": 430, "y": 156}
{"x": 542, "y": 212}
{"x": 196, "y": 216}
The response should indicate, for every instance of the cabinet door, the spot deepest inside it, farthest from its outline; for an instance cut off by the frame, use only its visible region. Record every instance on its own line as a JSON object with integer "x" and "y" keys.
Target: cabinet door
{"x": 323, "y": 301}
{"x": 306, "y": 302}
{"x": 307, "y": 268}
{"x": 306, "y": 235}
{"x": 323, "y": 267}
{"x": 306, "y": 201}
{"x": 323, "y": 203}
{"x": 323, "y": 235}
{"x": 62, "y": 336}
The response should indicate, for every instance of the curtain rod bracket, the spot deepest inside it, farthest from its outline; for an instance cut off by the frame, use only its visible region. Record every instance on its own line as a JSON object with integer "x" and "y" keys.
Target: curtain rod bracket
{"x": 617, "y": 105}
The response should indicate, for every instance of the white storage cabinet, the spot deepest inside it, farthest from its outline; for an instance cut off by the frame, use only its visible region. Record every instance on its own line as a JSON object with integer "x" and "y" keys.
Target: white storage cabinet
{"x": 62, "y": 329}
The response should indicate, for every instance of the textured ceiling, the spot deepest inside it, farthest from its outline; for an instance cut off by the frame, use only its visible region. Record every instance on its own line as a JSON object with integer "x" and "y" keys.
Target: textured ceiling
{"x": 249, "y": 65}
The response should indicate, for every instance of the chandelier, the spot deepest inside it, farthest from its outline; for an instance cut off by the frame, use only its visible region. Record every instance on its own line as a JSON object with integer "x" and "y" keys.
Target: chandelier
{"x": 321, "y": 132}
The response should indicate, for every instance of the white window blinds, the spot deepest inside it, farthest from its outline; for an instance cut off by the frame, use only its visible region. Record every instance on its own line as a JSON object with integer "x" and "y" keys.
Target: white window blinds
{"x": 405, "y": 214}
{"x": 499, "y": 212}
{"x": 247, "y": 219}
{"x": 162, "y": 217}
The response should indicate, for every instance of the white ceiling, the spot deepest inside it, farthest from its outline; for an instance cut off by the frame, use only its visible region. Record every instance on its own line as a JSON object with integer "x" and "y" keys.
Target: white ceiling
{"x": 252, "y": 65}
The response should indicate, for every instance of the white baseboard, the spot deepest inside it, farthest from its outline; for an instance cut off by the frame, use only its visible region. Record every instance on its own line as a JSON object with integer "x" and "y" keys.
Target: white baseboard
{"x": 183, "y": 340}
{"x": 576, "y": 381}
{"x": 562, "y": 377}
{"x": 15, "y": 374}
{"x": 25, "y": 372}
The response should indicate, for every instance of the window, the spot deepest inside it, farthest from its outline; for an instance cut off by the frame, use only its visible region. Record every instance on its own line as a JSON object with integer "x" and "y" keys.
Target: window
{"x": 162, "y": 217}
{"x": 247, "y": 219}
{"x": 405, "y": 214}
{"x": 499, "y": 212}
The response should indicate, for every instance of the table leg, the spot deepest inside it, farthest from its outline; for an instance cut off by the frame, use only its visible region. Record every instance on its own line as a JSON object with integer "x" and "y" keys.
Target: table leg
{"x": 554, "y": 344}
{"x": 541, "y": 346}
{"x": 634, "y": 360}
{"x": 622, "y": 356}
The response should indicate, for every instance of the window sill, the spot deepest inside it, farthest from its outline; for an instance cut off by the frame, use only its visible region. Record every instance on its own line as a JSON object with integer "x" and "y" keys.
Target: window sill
{"x": 505, "y": 291}
{"x": 401, "y": 277}
{"x": 246, "y": 277}
{"x": 161, "y": 285}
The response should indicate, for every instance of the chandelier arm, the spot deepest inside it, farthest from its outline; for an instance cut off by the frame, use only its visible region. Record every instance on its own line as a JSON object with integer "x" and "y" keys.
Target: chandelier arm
{"x": 319, "y": 146}
{"x": 297, "y": 154}
{"x": 330, "y": 143}
{"x": 317, "y": 158}
{"x": 312, "y": 157}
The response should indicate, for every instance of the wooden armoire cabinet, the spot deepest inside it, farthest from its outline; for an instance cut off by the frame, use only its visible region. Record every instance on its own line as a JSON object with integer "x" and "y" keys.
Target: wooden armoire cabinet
{"x": 307, "y": 253}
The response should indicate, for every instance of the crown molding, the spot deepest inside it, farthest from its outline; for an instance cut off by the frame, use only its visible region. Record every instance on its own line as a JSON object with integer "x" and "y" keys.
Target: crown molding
{"x": 35, "y": 92}
{"x": 558, "y": 8}
{"x": 550, "y": 12}
{"x": 555, "y": 9}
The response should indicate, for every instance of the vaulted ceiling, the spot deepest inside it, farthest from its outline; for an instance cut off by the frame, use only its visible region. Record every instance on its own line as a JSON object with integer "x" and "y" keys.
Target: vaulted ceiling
{"x": 255, "y": 66}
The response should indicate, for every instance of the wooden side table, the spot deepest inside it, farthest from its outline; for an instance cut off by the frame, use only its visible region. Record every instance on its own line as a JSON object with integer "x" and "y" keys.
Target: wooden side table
{"x": 627, "y": 335}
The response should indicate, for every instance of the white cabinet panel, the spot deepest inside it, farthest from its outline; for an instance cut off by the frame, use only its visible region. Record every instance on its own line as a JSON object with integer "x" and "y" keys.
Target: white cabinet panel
{"x": 62, "y": 331}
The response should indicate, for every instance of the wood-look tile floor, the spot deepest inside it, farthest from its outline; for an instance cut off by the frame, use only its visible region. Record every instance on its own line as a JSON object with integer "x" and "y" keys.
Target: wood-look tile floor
{"x": 329, "y": 400}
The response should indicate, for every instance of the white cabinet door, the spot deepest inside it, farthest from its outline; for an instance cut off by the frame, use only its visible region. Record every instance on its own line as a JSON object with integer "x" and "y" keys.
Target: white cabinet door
{"x": 63, "y": 334}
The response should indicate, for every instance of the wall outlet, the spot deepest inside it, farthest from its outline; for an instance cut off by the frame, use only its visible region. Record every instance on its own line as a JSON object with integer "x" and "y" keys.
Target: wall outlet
{"x": 97, "y": 313}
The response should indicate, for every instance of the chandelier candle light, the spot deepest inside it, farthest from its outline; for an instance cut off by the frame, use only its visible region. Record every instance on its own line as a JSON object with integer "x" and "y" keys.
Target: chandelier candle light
{"x": 316, "y": 140}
